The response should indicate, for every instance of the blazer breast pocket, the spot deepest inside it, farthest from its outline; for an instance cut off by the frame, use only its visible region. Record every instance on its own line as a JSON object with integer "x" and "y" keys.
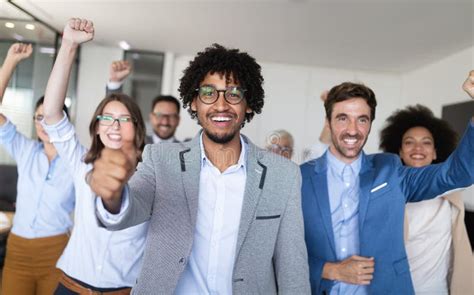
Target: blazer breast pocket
{"x": 380, "y": 190}
{"x": 267, "y": 216}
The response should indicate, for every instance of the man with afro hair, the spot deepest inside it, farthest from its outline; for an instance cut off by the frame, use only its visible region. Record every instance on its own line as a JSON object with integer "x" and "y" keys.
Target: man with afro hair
{"x": 225, "y": 216}
{"x": 436, "y": 239}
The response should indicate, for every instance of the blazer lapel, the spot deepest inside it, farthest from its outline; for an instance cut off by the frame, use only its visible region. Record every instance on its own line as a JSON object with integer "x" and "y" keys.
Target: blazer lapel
{"x": 255, "y": 182}
{"x": 320, "y": 187}
{"x": 190, "y": 162}
{"x": 366, "y": 178}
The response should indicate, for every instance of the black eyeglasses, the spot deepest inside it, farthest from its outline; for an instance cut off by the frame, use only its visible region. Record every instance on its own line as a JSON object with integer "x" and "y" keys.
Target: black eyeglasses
{"x": 109, "y": 120}
{"x": 208, "y": 94}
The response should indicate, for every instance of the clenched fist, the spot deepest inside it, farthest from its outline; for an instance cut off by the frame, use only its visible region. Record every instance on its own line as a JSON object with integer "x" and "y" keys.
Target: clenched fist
{"x": 19, "y": 52}
{"x": 111, "y": 172}
{"x": 119, "y": 70}
{"x": 78, "y": 31}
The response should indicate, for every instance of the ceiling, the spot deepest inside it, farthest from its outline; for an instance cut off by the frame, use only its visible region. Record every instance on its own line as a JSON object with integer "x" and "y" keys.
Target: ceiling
{"x": 378, "y": 35}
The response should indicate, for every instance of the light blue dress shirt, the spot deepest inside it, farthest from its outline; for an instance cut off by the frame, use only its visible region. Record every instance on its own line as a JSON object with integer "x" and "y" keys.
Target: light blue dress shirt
{"x": 344, "y": 191}
{"x": 45, "y": 191}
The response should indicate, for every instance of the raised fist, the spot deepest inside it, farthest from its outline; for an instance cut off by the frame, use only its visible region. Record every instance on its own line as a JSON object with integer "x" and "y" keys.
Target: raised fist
{"x": 468, "y": 85}
{"x": 110, "y": 174}
{"x": 119, "y": 70}
{"x": 19, "y": 52}
{"x": 78, "y": 31}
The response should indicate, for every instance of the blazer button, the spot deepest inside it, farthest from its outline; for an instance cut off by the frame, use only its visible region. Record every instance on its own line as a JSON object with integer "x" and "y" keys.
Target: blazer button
{"x": 182, "y": 260}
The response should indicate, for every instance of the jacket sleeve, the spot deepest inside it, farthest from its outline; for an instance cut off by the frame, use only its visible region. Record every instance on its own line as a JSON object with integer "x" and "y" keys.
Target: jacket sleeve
{"x": 318, "y": 284}
{"x": 457, "y": 171}
{"x": 291, "y": 256}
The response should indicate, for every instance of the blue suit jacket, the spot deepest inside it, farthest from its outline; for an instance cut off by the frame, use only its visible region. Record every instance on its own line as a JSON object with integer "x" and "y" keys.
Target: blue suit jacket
{"x": 385, "y": 186}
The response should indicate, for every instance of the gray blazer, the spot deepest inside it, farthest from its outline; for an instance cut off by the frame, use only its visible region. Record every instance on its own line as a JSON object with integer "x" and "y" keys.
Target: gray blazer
{"x": 271, "y": 254}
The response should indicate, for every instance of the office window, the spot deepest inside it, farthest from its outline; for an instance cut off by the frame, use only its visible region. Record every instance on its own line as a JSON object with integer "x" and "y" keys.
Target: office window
{"x": 144, "y": 84}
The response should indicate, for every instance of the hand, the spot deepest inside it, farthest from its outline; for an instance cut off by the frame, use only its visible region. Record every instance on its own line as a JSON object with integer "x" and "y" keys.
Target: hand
{"x": 468, "y": 85}
{"x": 111, "y": 172}
{"x": 324, "y": 95}
{"x": 356, "y": 270}
{"x": 78, "y": 31}
{"x": 119, "y": 70}
{"x": 19, "y": 52}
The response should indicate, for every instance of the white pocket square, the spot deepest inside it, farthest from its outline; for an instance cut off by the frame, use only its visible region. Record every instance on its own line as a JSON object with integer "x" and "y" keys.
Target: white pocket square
{"x": 378, "y": 187}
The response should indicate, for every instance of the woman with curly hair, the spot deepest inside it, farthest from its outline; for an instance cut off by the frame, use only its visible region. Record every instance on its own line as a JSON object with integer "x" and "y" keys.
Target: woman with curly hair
{"x": 435, "y": 235}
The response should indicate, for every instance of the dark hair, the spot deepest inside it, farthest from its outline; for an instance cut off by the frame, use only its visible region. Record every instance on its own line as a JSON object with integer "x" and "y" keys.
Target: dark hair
{"x": 166, "y": 98}
{"x": 391, "y": 136}
{"x": 97, "y": 146}
{"x": 349, "y": 90}
{"x": 40, "y": 101}
{"x": 243, "y": 68}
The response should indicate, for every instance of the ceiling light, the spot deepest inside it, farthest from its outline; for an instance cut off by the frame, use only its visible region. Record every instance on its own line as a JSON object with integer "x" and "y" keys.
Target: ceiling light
{"x": 9, "y": 25}
{"x": 124, "y": 45}
{"x": 30, "y": 27}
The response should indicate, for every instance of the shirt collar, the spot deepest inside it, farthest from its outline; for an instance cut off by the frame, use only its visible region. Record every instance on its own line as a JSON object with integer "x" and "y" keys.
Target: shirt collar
{"x": 157, "y": 139}
{"x": 338, "y": 166}
{"x": 242, "y": 158}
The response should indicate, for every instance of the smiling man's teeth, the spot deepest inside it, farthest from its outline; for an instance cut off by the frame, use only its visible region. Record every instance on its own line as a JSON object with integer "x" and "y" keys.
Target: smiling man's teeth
{"x": 350, "y": 141}
{"x": 221, "y": 119}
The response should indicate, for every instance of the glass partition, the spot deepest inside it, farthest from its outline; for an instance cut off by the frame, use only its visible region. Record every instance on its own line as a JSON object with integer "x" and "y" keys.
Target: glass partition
{"x": 28, "y": 82}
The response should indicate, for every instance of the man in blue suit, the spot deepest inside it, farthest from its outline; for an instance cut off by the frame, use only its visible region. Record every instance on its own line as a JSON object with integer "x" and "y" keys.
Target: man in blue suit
{"x": 353, "y": 203}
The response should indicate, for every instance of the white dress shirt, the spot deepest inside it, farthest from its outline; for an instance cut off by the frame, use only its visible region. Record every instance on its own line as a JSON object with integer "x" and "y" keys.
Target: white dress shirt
{"x": 94, "y": 255}
{"x": 211, "y": 262}
{"x": 429, "y": 245}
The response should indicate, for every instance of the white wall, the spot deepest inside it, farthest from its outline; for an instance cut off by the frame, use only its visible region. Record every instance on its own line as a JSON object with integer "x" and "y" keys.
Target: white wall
{"x": 93, "y": 74}
{"x": 439, "y": 83}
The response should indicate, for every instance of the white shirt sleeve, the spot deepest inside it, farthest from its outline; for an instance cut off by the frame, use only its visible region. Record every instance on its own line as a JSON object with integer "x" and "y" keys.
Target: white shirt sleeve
{"x": 109, "y": 217}
{"x": 114, "y": 85}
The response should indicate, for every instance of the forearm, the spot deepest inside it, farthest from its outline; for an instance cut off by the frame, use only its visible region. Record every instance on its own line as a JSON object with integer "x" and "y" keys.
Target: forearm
{"x": 6, "y": 72}
{"x": 58, "y": 81}
{"x": 113, "y": 205}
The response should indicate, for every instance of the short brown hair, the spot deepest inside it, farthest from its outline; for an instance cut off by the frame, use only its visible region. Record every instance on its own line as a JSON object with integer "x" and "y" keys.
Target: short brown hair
{"x": 97, "y": 146}
{"x": 349, "y": 90}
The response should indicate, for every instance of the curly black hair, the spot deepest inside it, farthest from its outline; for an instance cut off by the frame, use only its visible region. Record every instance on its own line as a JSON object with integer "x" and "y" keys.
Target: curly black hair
{"x": 243, "y": 68}
{"x": 445, "y": 138}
